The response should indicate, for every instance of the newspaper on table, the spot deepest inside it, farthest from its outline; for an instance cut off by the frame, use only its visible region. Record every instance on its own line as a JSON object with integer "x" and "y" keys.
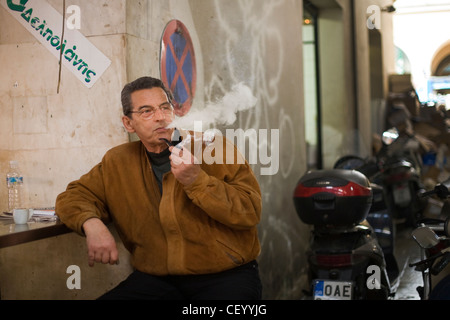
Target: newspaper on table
{"x": 43, "y": 211}
{"x": 44, "y": 214}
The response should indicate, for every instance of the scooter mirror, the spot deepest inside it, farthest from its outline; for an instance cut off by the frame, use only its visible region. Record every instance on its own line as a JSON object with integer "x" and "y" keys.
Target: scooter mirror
{"x": 390, "y": 136}
{"x": 425, "y": 237}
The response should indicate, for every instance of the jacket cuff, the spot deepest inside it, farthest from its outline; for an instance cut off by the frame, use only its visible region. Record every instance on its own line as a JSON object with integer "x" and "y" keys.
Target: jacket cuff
{"x": 78, "y": 227}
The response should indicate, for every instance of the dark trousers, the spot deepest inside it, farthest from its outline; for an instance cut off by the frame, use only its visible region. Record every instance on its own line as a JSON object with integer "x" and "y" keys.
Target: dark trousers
{"x": 240, "y": 283}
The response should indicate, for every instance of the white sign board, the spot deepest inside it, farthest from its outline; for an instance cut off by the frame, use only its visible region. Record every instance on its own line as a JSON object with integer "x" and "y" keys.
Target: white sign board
{"x": 79, "y": 55}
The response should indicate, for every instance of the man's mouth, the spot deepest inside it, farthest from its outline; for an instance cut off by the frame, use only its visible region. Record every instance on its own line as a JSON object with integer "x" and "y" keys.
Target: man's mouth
{"x": 161, "y": 129}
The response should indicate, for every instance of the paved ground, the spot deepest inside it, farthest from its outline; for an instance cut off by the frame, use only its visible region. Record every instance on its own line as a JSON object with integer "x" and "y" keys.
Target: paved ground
{"x": 407, "y": 251}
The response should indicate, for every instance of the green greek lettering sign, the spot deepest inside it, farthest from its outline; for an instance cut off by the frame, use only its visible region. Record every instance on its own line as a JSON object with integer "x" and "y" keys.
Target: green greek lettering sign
{"x": 80, "y": 56}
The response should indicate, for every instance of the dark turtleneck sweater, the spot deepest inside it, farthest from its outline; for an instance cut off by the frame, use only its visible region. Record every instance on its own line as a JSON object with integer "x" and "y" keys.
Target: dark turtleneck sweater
{"x": 160, "y": 164}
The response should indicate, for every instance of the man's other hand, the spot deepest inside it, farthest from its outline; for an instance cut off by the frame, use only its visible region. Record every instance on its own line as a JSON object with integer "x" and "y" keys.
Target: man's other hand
{"x": 100, "y": 243}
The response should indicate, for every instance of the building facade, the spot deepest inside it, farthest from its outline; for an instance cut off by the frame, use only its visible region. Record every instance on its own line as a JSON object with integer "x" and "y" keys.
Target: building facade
{"x": 318, "y": 70}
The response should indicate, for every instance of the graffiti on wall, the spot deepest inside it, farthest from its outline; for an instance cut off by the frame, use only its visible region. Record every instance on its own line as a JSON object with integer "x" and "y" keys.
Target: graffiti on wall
{"x": 245, "y": 56}
{"x": 264, "y": 86}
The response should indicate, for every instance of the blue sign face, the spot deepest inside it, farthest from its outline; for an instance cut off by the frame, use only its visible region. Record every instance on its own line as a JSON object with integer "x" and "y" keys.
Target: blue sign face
{"x": 178, "y": 69}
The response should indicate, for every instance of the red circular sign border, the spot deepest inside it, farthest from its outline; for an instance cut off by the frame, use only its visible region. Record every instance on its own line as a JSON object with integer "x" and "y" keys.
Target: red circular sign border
{"x": 172, "y": 27}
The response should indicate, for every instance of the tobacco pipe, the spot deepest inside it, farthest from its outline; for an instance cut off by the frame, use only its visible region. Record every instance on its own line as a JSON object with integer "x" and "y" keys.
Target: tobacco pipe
{"x": 178, "y": 142}
{"x": 175, "y": 139}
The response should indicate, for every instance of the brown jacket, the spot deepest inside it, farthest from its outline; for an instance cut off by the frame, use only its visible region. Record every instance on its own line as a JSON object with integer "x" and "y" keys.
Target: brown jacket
{"x": 208, "y": 226}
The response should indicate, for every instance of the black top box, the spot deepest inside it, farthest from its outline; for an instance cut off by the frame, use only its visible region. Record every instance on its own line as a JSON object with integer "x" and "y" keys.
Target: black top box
{"x": 334, "y": 197}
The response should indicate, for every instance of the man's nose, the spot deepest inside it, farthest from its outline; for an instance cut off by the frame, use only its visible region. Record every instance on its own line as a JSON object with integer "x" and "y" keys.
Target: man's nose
{"x": 159, "y": 114}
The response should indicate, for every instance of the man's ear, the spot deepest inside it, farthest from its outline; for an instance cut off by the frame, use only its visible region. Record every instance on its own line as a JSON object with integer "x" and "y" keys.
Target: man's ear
{"x": 127, "y": 124}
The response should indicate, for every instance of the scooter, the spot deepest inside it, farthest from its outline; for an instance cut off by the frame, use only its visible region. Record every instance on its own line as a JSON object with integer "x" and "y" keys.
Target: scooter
{"x": 401, "y": 177}
{"x": 345, "y": 259}
{"x": 397, "y": 168}
{"x": 433, "y": 238}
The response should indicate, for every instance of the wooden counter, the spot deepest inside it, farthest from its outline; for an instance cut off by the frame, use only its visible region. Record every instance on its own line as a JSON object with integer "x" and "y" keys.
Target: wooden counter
{"x": 12, "y": 234}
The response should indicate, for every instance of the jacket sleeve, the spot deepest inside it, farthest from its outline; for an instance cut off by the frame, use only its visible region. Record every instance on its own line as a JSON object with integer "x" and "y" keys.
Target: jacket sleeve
{"x": 83, "y": 199}
{"x": 232, "y": 197}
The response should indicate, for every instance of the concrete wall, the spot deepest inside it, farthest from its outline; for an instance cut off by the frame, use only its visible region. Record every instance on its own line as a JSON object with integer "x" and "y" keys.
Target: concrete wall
{"x": 256, "y": 42}
{"x": 56, "y": 137}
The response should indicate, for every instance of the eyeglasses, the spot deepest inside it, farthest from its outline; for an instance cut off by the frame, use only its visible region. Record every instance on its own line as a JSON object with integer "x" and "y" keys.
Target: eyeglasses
{"x": 147, "y": 113}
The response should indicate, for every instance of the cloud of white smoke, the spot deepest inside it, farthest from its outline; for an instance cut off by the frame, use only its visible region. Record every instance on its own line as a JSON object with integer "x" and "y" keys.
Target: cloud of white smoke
{"x": 221, "y": 112}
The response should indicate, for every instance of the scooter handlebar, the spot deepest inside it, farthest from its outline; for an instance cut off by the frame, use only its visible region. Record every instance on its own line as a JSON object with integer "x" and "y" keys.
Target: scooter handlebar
{"x": 442, "y": 190}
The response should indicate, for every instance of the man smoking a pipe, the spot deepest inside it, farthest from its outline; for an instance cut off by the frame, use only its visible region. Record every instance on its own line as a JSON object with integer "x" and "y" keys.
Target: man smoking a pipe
{"x": 191, "y": 228}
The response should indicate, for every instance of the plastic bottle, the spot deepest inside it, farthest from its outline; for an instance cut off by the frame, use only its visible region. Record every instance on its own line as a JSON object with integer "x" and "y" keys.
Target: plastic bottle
{"x": 14, "y": 183}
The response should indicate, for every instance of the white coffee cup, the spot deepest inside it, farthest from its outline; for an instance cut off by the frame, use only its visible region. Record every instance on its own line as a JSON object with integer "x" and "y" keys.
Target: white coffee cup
{"x": 22, "y": 215}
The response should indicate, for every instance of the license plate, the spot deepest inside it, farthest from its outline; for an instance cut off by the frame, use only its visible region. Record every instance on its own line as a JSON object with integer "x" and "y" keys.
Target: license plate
{"x": 333, "y": 290}
{"x": 402, "y": 195}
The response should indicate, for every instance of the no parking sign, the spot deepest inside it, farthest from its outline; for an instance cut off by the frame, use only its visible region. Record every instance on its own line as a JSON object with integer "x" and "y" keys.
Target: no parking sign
{"x": 178, "y": 69}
